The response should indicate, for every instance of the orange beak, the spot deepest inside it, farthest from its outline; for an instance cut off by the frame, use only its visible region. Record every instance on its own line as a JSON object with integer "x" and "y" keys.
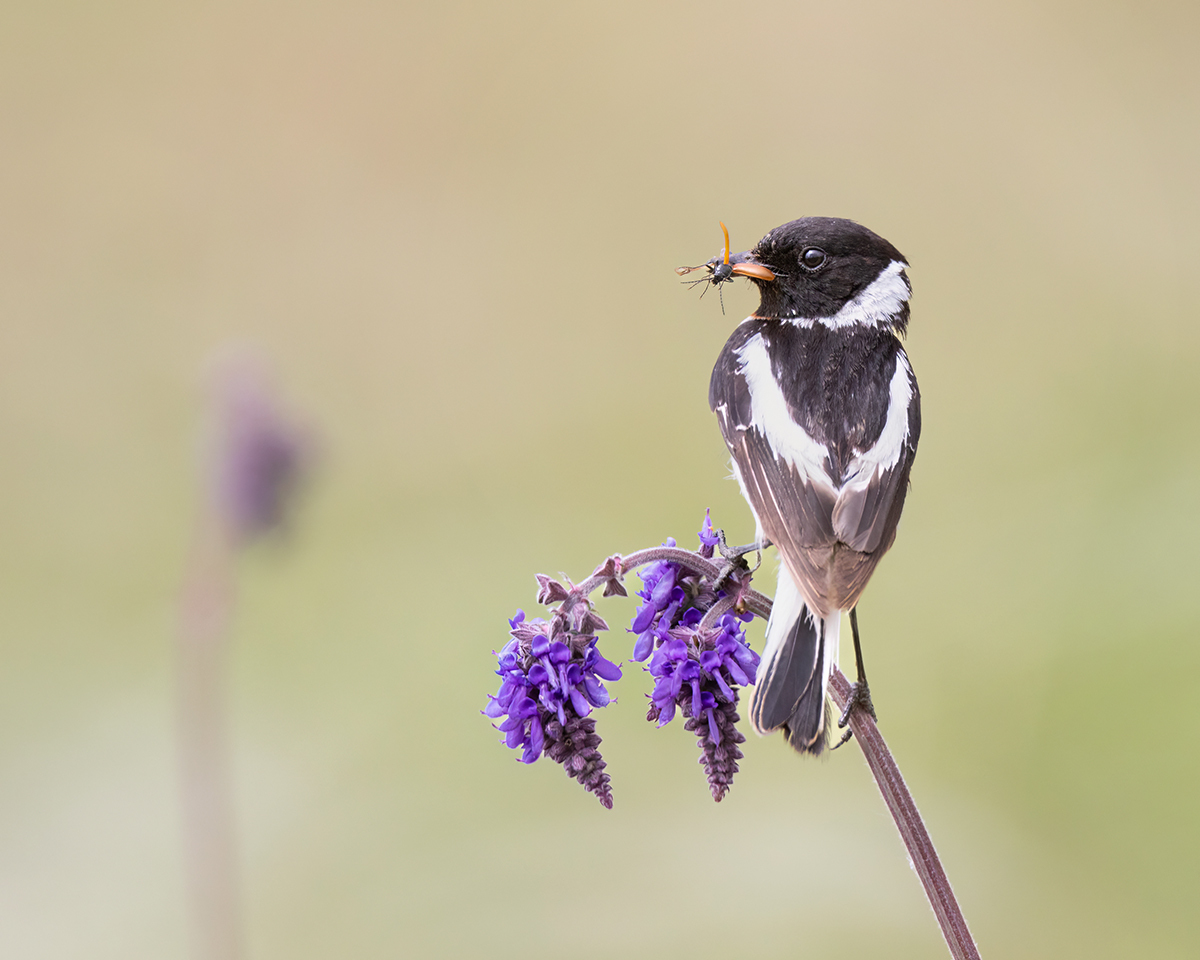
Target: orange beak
{"x": 755, "y": 270}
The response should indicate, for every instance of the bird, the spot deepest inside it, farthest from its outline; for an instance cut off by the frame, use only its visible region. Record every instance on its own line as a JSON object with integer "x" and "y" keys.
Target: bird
{"x": 819, "y": 407}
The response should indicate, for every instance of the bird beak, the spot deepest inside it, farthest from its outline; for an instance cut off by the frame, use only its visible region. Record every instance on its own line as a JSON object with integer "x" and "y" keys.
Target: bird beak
{"x": 743, "y": 266}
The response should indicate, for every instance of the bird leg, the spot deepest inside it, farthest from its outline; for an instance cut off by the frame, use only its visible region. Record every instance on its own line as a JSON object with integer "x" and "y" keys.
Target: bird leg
{"x": 860, "y": 693}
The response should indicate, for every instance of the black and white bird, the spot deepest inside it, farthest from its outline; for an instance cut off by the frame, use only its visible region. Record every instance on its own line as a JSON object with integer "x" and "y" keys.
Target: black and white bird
{"x": 819, "y": 408}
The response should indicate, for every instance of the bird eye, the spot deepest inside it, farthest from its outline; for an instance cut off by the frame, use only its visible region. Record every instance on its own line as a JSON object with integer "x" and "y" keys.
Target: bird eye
{"x": 812, "y": 258}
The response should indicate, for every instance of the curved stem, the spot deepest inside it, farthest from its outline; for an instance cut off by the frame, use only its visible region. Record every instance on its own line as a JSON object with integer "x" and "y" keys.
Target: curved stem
{"x": 904, "y": 811}
{"x": 879, "y": 758}
{"x": 715, "y": 613}
{"x": 757, "y": 603}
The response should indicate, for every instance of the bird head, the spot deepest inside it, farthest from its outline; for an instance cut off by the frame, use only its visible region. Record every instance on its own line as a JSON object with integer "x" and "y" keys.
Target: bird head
{"x": 818, "y": 268}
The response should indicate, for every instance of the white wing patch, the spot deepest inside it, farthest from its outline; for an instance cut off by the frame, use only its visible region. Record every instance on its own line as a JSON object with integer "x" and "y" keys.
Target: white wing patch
{"x": 876, "y": 306}
{"x": 772, "y": 418}
{"x": 885, "y": 452}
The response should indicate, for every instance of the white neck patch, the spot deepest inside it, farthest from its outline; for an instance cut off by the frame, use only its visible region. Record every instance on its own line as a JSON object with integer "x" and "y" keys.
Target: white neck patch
{"x": 876, "y": 306}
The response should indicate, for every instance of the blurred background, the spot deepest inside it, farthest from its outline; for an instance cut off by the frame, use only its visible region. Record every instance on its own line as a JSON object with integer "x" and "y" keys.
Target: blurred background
{"x": 451, "y": 229}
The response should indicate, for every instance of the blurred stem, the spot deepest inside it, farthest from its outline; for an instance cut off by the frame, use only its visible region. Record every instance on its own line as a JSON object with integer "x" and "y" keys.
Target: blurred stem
{"x": 206, "y": 607}
{"x": 891, "y": 784}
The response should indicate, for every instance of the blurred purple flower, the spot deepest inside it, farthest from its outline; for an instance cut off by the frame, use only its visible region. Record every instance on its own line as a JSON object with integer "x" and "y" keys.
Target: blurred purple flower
{"x": 256, "y": 455}
{"x": 548, "y": 689}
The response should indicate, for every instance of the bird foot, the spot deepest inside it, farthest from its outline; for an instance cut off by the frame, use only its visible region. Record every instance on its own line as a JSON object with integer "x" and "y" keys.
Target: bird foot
{"x": 860, "y": 697}
{"x": 735, "y": 559}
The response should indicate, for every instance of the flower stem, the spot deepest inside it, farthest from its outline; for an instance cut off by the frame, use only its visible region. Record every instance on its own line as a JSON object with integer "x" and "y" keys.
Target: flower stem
{"x": 904, "y": 811}
{"x": 879, "y": 758}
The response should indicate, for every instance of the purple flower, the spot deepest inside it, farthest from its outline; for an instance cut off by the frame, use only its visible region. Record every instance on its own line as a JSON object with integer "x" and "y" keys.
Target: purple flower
{"x": 661, "y": 594}
{"x": 708, "y": 539}
{"x": 696, "y": 671}
{"x": 548, "y": 688}
{"x": 688, "y": 634}
{"x": 699, "y": 674}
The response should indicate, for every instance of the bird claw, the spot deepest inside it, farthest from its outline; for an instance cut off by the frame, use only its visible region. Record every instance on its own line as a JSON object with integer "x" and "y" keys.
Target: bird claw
{"x": 735, "y": 559}
{"x": 860, "y": 696}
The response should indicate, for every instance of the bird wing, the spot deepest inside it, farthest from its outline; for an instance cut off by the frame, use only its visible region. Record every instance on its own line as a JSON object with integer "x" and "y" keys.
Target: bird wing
{"x": 871, "y": 496}
{"x": 784, "y": 476}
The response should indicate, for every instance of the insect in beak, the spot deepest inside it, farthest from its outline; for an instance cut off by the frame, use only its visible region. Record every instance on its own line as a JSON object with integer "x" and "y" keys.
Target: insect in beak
{"x": 720, "y": 270}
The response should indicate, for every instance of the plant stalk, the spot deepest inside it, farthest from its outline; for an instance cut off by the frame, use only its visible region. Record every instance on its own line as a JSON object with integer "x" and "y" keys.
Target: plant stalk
{"x": 206, "y": 608}
{"x": 921, "y": 852}
{"x": 879, "y": 758}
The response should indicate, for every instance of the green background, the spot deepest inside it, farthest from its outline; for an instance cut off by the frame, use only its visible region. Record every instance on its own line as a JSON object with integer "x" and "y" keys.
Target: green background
{"x": 452, "y": 228}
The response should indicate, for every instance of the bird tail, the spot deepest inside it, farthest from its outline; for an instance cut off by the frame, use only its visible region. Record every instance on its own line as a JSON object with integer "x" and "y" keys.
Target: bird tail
{"x": 800, "y": 652}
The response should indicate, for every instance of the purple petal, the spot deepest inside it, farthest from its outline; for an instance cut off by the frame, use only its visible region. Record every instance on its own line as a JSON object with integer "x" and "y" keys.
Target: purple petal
{"x": 643, "y": 618}
{"x": 747, "y": 658}
{"x": 664, "y": 692}
{"x": 526, "y": 708}
{"x": 519, "y": 618}
{"x": 664, "y": 622}
{"x": 510, "y": 688}
{"x": 735, "y": 671}
{"x": 667, "y": 714}
{"x": 659, "y": 663}
{"x": 579, "y": 702}
{"x": 595, "y": 692}
{"x": 604, "y": 668}
{"x": 494, "y": 709}
{"x": 662, "y": 589}
{"x": 714, "y": 731}
{"x": 641, "y": 649}
{"x": 650, "y": 575}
